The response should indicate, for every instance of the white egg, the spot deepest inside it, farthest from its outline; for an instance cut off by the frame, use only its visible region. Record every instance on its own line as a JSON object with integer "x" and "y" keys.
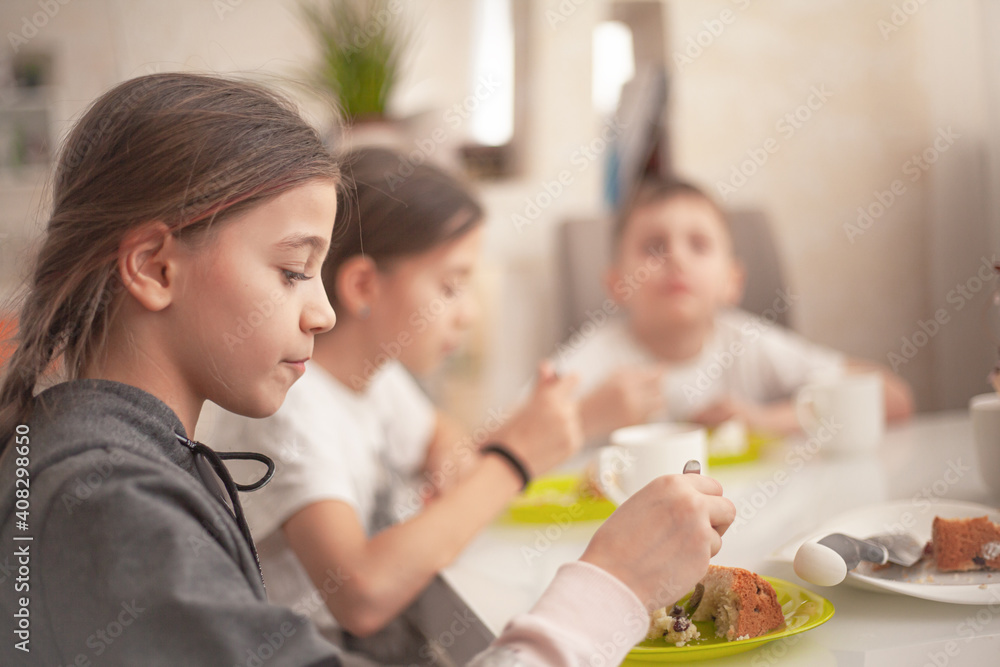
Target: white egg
{"x": 819, "y": 564}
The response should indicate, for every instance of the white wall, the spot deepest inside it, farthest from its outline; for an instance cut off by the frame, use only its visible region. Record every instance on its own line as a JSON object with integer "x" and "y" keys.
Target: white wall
{"x": 962, "y": 235}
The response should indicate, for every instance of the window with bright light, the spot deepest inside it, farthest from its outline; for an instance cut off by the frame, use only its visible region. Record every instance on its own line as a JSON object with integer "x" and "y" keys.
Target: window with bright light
{"x": 492, "y": 121}
{"x": 614, "y": 64}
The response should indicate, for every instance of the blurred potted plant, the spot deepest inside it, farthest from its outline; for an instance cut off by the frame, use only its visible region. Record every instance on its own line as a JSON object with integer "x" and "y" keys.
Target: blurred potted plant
{"x": 361, "y": 44}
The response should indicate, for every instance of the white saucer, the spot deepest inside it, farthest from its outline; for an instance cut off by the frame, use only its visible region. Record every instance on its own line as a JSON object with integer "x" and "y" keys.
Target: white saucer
{"x": 922, "y": 580}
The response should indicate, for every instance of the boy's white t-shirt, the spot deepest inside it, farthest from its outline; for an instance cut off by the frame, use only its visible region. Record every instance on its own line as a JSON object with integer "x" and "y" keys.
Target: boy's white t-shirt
{"x": 329, "y": 443}
{"x": 745, "y": 358}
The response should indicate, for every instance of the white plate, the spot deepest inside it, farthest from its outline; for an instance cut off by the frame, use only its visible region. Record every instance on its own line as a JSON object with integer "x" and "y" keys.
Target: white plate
{"x": 922, "y": 580}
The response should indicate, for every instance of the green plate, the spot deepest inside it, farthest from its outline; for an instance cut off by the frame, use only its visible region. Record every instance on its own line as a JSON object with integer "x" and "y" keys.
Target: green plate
{"x": 562, "y": 498}
{"x": 755, "y": 443}
{"x": 803, "y": 609}
{"x": 558, "y": 499}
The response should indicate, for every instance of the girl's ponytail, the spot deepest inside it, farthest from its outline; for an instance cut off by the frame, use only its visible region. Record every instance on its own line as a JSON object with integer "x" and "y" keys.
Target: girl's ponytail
{"x": 20, "y": 375}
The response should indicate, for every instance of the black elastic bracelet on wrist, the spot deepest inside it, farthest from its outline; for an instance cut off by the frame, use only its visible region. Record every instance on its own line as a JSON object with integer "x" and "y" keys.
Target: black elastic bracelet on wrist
{"x": 515, "y": 463}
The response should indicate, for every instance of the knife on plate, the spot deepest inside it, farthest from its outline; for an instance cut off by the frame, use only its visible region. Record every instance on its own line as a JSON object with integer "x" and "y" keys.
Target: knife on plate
{"x": 826, "y": 562}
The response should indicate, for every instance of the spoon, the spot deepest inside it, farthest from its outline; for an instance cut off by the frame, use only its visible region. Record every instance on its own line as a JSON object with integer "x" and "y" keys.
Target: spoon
{"x": 695, "y": 599}
{"x": 694, "y": 468}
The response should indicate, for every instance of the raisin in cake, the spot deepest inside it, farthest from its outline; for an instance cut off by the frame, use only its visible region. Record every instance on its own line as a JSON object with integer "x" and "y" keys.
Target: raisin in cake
{"x": 673, "y": 626}
{"x": 741, "y": 603}
{"x": 965, "y": 544}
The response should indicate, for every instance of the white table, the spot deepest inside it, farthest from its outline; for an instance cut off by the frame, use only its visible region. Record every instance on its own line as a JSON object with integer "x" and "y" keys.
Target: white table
{"x": 506, "y": 568}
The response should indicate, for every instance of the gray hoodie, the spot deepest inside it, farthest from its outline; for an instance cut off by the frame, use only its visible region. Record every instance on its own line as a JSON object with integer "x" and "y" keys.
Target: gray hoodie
{"x": 123, "y": 556}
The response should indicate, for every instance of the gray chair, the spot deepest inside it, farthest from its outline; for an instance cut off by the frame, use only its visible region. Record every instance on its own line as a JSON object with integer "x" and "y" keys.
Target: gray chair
{"x": 755, "y": 246}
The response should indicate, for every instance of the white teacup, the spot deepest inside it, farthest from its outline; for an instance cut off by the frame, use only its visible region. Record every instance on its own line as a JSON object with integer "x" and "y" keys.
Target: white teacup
{"x": 639, "y": 454}
{"x": 845, "y": 413}
{"x": 985, "y": 412}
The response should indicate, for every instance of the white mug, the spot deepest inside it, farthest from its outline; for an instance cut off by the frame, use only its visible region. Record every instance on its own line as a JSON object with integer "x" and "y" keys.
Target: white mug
{"x": 985, "y": 412}
{"x": 845, "y": 413}
{"x": 639, "y": 454}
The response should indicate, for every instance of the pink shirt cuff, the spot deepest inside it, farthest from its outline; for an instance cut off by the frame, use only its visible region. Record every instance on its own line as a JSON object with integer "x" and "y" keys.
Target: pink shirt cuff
{"x": 584, "y": 613}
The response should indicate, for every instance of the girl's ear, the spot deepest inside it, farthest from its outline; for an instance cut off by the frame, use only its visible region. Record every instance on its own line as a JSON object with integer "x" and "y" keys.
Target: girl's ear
{"x": 145, "y": 267}
{"x": 357, "y": 285}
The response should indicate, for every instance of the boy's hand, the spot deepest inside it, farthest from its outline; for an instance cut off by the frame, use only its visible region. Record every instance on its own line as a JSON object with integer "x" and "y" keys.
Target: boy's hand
{"x": 777, "y": 418}
{"x": 629, "y": 396}
{"x": 546, "y": 430}
{"x": 727, "y": 409}
{"x": 659, "y": 541}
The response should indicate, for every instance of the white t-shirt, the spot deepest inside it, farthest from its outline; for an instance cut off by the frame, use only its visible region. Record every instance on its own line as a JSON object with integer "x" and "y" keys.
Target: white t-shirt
{"x": 745, "y": 358}
{"x": 328, "y": 442}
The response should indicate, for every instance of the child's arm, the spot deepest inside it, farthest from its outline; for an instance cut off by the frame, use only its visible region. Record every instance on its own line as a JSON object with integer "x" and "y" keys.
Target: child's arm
{"x": 898, "y": 395}
{"x": 777, "y": 418}
{"x": 374, "y": 579}
{"x": 656, "y": 546}
{"x": 371, "y": 581}
{"x": 449, "y": 453}
{"x": 628, "y": 396}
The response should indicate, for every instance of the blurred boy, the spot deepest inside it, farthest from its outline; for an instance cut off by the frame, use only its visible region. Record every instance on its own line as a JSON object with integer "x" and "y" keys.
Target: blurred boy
{"x": 683, "y": 351}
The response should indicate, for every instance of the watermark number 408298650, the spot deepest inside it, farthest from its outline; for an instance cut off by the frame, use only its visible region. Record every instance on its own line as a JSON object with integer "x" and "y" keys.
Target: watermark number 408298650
{"x": 22, "y": 549}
